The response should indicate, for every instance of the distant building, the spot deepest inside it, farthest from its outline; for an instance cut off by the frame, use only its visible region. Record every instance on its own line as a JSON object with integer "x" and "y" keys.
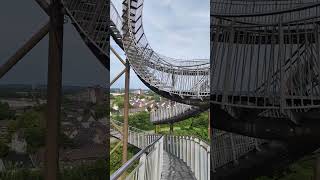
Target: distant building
{"x": 138, "y": 92}
{"x": 95, "y": 95}
{"x": 18, "y": 143}
{"x": 71, "y": 157}
{"x": 4, "y": 129}
{"x": 117, "y": 94}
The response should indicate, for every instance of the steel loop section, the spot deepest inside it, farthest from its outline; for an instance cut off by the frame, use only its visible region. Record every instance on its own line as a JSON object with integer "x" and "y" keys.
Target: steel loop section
{"x": 183, "y": 78}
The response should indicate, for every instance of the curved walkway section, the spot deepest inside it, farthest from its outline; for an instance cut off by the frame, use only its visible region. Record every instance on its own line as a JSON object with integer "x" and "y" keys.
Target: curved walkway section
{"x": 175, "y": 112}
{"x": 136, "y": 137}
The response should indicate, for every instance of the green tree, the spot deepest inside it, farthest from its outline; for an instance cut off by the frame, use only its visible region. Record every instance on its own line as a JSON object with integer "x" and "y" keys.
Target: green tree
{"x": 66, "y": 142}
{"x": 141, "y": 120}
{"x": 101, "y": 111}
{"x": 4, "y": 149}
{"x": 35, "y": 138}
{"x": 5, "y": 112}
{"x": 119, "y": 101}
{"x": 32, "y": 123}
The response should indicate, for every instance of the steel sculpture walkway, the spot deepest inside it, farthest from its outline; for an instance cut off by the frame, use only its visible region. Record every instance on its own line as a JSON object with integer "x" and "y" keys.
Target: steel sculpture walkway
{"x": 165, "y": 79}
{"x": 116, "y": 29}
{"x": 264, "y": 76}
{"x": 193, "y": 154}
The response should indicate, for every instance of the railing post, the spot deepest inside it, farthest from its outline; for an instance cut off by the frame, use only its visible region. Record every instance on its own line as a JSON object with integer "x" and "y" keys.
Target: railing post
{"x": 165, "y": 143}
{"x": 193, "y": 152}
{"x": 208, "y": 163}
{"x": 257, "y": 144}
{"x": 184, "y": 149}
{"x": 160, "y": 156}
{"x": 211, "y": 155}
{"x": 188, "y": 151}
{"x": 197, "y": 158}
{"x": 181, "y": 147}
{"x": 202, "y": 163}
{"x": 171, "y": 144}
{"x": 176, "y": 139}
{"x": 156, "y": 161}
{"x": 234, "y": 157}
{"x": 142, "y": 169}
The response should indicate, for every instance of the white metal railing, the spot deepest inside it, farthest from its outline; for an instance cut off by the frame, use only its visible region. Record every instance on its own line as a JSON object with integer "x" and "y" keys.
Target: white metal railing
{"x": 229, "y": 147}
{"x": 172, "y": 110}
{"x": 226, "y": 147}
{"x": 193, "y": 151}
{"x": 150, "y": 163}
{"x": 136, "y": 137}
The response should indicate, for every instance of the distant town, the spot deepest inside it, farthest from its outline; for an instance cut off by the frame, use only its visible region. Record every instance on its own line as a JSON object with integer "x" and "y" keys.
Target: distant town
{"x": 140, "y": 100}
{"x": 22, "y": 122}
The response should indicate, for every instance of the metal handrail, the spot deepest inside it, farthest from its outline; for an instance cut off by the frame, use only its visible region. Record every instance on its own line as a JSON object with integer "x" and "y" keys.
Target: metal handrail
{"x": 129, "y": 163}
{"x": 268, "y": 13}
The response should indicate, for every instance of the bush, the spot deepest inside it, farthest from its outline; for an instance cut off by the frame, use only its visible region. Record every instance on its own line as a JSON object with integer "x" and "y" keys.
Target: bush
{"x": 96, "y": 171}
{"x": 4, "y": 149}
{"x": 5, "y": 112}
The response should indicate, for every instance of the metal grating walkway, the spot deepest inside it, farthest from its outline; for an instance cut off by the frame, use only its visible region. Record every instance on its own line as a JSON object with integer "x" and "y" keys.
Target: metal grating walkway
{"x": 175, "y": 169}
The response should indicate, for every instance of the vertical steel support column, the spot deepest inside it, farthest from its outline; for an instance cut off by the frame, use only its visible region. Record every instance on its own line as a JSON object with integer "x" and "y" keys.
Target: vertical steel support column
{"x": 282, "y": 62}
{"x": 317, "y": 168}
{"x": 209, "y": 126}
{"x": 171, "y": 128}
{"x": 126, "y": 114}
{"x": 54, "y": 90}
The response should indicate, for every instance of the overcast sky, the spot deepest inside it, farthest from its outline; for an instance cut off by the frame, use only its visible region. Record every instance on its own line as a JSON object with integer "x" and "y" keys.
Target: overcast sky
{"x": 19, "y": 20}
{"x": 174, "y": 28}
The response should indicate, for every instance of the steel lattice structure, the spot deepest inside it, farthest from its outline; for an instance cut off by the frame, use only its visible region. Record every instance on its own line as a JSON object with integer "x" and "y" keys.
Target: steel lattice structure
{"x": 91, "y": 19}
{"x": 264, "y": 67}
{"x": 265, "y": 54}
{"x": 183, "y": 80}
